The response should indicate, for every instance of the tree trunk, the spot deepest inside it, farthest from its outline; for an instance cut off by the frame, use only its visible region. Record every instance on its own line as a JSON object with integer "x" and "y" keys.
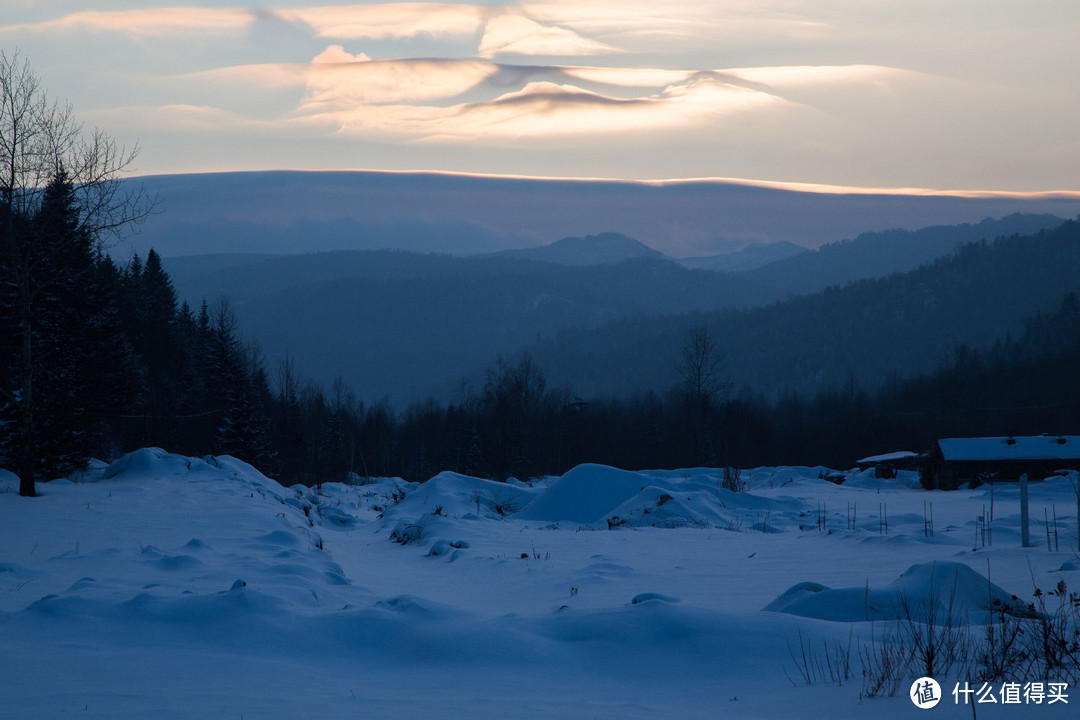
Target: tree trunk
{"x": 26, "y": 417}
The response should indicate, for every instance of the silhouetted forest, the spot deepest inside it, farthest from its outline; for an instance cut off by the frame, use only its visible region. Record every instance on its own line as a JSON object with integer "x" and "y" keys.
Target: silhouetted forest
{"x": 121, "y": 364}
{"x": 880, "y": 330}
{"x": 613, "y": 328}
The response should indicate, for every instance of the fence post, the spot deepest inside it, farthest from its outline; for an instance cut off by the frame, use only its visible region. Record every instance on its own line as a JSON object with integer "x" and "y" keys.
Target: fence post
{"x": 1025, "y": 539}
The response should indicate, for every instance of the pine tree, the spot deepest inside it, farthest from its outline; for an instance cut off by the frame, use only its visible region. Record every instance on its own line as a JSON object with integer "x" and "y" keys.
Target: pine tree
{"x": 55, "y": 394}
{"x": 238, "y": 390}
{"x": 163, "y": 356}
{"x": 43, "y": 209}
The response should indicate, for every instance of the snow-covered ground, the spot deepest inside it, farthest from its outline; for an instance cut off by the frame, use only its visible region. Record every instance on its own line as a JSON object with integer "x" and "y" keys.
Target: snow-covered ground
{"x": 172, "y": 587}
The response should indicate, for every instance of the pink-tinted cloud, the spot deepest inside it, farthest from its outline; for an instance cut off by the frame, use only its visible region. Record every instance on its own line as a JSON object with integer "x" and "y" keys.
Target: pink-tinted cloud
{"x": 175, "y": 118}
{"x": 334, "y": 85}
{"x": 691, "y": 21}
{"x": 336, "y": 54}
{"x": 150, "y": 22}
{"x": 265, "y": 75}
{"x": 517, "y": 35}
{"x": 628, "y": 76}
{"x": 390, "y": 20}
{"x": 791, "y": 76}
{"x": 549, "y": 110}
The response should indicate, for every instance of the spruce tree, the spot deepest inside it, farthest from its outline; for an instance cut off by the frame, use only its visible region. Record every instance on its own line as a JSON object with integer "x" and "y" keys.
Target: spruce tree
{"x": 236, "y": 391}
{"x": 42, "y": 210}
{"x": 61, "y": 370}
{"x": 161, "y": 350}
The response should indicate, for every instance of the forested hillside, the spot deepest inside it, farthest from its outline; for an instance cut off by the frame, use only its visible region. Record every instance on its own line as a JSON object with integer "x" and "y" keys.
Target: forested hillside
{"x": 876, "y": 254}
{"x": 984, "y": 341}
{"x": 870, "y": 331}
{"x": 405, "y": 325}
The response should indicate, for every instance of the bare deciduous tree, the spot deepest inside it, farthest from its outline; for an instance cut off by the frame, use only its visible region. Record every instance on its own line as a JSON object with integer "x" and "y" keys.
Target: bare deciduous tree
{"x": 701, "y": 368}
{"x": 40, "y": 141}
{"x": 704, "y": 389}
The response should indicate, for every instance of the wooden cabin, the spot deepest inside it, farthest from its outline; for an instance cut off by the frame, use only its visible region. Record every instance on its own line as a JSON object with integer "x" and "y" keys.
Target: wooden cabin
{"x": 886, "y": 466}
{"x": 953, "y": 462}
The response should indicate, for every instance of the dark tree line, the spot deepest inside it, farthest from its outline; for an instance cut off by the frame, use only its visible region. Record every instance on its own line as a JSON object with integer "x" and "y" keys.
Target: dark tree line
{"x": 121, "y": 364}
{"x": 901, "y": 325}
{"x": 59, "y": 198}
{"x": 58, "y": 311}
{"x": 1026, "y": 385}
{"x": 115, "y": 362}
{"x": 98, "y": 358}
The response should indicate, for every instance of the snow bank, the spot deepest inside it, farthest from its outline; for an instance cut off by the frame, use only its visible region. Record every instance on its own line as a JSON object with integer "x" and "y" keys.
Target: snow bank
{"x": 776, "y": 477}
{"x": 452, "y": 495}
{"x": 601, "y": 496}
{"x": 938, "y": 589}
{"x": 868, "y": 479}
{"x": 586, "y": 495}
{"x": 196, "y": 585}
{"x": 149, "y": 461}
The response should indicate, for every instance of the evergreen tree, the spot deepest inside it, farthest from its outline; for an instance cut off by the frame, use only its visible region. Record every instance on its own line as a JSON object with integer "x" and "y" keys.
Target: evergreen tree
{"x": 57, "y": 293}
{"x": 242, "y": 426}
{"x": 154, "y": 327}
{"x": 50, "y": 221}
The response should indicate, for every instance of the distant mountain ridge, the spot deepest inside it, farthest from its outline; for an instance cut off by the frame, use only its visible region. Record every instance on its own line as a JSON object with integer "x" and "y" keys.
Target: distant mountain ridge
{"x": 862, "y": 335}
{"x": 397, "y": 324}
{"x": 877, "y": 254}
{"x": 300, "y": 212}
{"x": 602, "y": 249}
{"x": 402, "y": 324}
{"x": 749, "y": 258}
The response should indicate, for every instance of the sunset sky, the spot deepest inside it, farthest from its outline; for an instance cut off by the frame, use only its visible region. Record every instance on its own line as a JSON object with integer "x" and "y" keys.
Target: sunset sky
{"x": 941, "y": 94}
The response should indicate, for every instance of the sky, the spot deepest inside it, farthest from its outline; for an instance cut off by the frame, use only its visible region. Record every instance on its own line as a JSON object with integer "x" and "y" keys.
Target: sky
{"x": 935, "y": 94}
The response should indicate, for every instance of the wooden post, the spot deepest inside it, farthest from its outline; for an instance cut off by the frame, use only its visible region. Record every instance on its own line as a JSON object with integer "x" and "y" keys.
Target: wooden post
{"x": 1025, "y": 538}
{"x": 1076, "y": 487}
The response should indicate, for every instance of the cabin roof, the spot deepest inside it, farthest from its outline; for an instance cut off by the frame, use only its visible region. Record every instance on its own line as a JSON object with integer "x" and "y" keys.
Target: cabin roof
{"x": 1039, "y": 447}
{"x": 887, "y": 457}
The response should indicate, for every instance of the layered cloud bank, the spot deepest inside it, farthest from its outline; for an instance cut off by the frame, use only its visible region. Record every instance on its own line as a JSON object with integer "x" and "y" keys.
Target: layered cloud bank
{"x": 837, "y": 93}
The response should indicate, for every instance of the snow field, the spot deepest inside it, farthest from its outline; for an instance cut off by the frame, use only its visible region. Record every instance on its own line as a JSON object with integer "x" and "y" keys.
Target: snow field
{"x": 165, "y": 586}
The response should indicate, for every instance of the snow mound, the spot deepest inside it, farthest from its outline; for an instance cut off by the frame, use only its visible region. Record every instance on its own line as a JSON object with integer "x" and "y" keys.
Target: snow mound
{"x": 601, "y": 496}
{"x": 937, "y": 590}
{"x": 775, "y": 477}
{"x": 652, "y": 596}
{"x": 586, "y": 495}
{"x": 148, "y": 461}
{"x": 668, "y": 508}
{"x": 867, "y": 479}
{"x": 452, "y": 495}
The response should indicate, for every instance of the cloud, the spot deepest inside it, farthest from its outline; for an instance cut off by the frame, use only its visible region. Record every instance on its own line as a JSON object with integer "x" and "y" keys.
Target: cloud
{"x": 337, "y": 54}
{"x": 175, "y": 118}
{"x": 265, "y": 75}
{"x": 358, "y": 82}
{"x": 151, "y": 22}
{"x": 389, "y": 21}
{"x": 792, "y": 76}
{"x": 703, "y": 20}
{"x": 550, "y": 110}
{"x": 514, "y": 34}
{"x": 628, "y": 77}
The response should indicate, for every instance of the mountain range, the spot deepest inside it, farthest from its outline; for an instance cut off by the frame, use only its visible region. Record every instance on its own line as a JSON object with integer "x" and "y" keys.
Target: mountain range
{"x": 864, "y": 335}
{"x": 610, "y": 315}
{"x": 302, "y": 212}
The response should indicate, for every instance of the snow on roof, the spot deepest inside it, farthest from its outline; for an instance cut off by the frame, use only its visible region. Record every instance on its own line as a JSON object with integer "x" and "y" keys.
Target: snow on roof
{"x": 1040, "y": 447}
{"x": 874, "y": 459}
